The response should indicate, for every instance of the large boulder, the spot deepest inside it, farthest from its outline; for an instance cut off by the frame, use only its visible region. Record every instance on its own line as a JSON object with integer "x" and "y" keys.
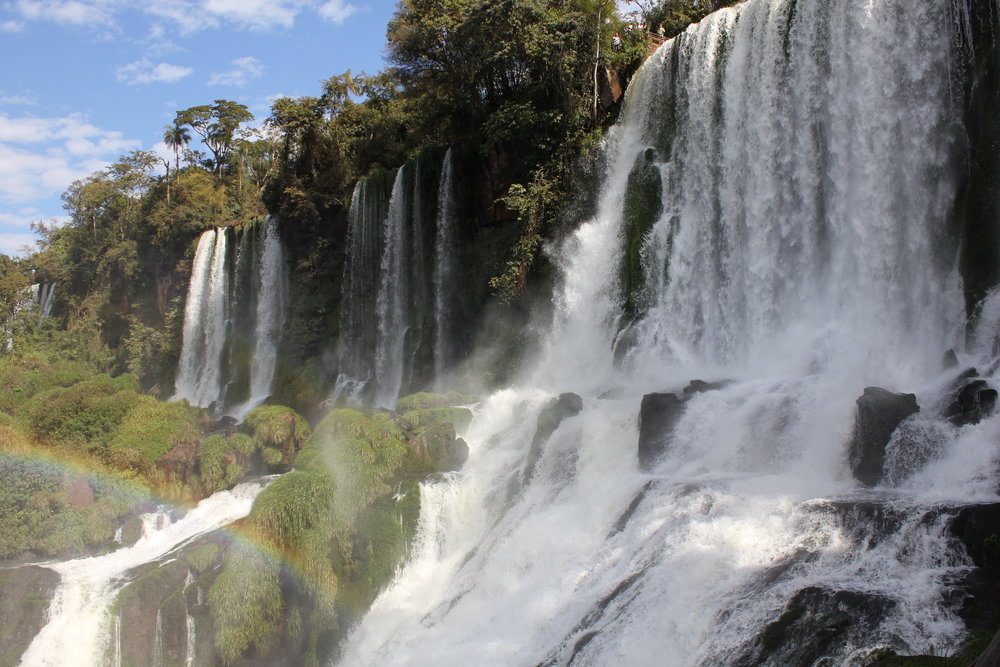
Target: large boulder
{"x": 25, "y": 594}
{"x": 552, "y": 415}
{"x": 879, "y": 413}
{"x": 816, "y": 622}
{"x": 658, "y": 415}
{"x": 972, "y": 399}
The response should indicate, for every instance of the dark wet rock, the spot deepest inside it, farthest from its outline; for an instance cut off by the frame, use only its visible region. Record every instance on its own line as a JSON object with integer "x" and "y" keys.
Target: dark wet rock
{"x": 657, "y": 417}
{"x": 630, "y": 510}
{"x": 160, "y": 597}
{"x": 226, "y": 425}
{"x": 977, "y": 527}
{"x": 950, "y": 360}
{"x": 700, "y": 386}
{"x": 879, "y": 413}
{"x": 552, "y": 415}
{"x": 25, "y": 595}
{"x": 816, "y": 623}
{"x": 991, "y": 656}
{"x": 973, "y": 400}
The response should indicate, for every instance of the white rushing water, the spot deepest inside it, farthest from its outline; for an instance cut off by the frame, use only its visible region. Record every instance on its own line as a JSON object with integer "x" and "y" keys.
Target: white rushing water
{"x": 270, "y": 288}
{"x": 391, "y": 304}
{"x": 199, "y": 373}
{"x": 444, "y": 270}
{"x": 803, "y": 151}
{"x": 80, "y": 632}
{"x": 212, "y": 320}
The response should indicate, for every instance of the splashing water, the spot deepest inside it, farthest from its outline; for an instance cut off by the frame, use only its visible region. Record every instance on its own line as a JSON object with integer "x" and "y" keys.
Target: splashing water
{"x": 79, "y": 630}
{"x": 801, "y": 154}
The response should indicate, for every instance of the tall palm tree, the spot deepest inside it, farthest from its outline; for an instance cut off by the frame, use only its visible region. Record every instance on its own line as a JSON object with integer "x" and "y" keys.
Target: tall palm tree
{"x": 177, "y": 137}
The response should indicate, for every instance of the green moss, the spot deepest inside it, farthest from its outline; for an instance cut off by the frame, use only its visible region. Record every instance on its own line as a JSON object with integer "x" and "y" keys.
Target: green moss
{"x": 459, "y": 418}
{"x": 384, "y": 533}
{"x": 150, "y": 430}
{"x": 425, "y": 400}
{"x": 245, "y": 603}
{"x": 84, "y": 415}
{"x": 643, "y": 206}
{"x": 201, "y": 557}
{"x": 278, "y": 428}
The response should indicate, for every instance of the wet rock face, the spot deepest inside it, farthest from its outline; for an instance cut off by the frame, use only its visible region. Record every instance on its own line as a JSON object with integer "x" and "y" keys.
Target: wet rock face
{"x": 972, "y": 401}
{"x": 815, "y": 624}
{"x": 659, "y": 414}
{"x": 552, "y": 415}
{"x": 879, "y": 413}
{"x": 977, "y": 527}
{"x": 657, "y": 417}
{"x": 25, "y": 595}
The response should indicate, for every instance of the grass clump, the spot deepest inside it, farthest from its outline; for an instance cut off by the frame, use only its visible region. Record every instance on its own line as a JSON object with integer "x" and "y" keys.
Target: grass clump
{"x": 150, "y": 430}
{"x": 426, "y": 400}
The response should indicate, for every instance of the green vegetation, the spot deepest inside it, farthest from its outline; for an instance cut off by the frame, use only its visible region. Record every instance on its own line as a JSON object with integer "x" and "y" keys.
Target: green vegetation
{"x": 338, "y": 526}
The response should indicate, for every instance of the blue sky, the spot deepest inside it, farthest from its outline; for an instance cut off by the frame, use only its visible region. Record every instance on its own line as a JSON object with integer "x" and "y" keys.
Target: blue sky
{"x": 87, "y": 80}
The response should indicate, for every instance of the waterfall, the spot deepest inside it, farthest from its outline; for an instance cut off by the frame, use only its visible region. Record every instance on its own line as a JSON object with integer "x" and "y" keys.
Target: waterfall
{"x": 444, "y": 271}
{"x": 361, "y": 270}
{"x": 77, "y": 633}
{"x": 199, "y": 373}
{"x": 235, "y": 309}
{"x": 401, "y": 274}
{"x": 775, "y": 217}
{"x": 46, "y": 296}
{"x": 271, "y": 291}
{"x": 391, "y": 303}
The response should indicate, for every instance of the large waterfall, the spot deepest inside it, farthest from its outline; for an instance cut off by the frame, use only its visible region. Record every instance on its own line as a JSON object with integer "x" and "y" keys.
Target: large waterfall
{"x": 774, "y": 220}
{"x": 233, "y": 316}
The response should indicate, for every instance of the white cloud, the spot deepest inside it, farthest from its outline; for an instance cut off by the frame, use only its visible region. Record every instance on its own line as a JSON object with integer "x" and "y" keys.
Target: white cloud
{"x": 144, "y": 71}
{"x": 337, "y": 11}
{"x": 255, "y": 14}
{"x": 13, "y": 243}
{"x": 244, "y": 69}
{"x": 68, "y": 12}
{"x": 17, "y": 100}
{"x": 40, "y": 157}
{"x": 184, "y": 16}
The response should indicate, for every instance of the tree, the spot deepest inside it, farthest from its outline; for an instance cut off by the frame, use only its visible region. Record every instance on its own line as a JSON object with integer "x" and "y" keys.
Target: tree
{"x": 216, "y": 125}
{"x": 176, "y": 137}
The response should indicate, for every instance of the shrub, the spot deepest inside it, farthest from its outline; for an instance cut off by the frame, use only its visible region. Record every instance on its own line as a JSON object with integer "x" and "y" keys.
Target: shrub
{"x": 150, "y": 430}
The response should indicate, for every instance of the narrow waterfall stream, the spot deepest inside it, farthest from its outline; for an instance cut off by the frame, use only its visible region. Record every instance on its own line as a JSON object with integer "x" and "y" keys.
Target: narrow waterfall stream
{"x": 238, "y": 289}
{"x": 80, "y": 630}
{"x": 794, "y": 164}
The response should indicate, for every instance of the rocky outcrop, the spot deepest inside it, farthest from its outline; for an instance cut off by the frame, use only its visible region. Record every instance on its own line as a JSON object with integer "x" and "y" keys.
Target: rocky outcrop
{"x": 815, "y": 623}
{"x": 25, "y": 595}
{"x": 879, "y": 413}
{"x": 552, "y": 415}
{"x": 658, "y": 414}
{"x": 972, "y": 399}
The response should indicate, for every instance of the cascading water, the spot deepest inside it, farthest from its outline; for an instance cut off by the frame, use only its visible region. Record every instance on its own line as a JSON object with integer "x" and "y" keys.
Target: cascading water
{"x": 199, "y": 374}
{"x": 235, "y": 304}
{"x": 391, "y": 304}
{"x": 403, "y": 257}
{"x": 798, "y": 157}
{"x": 444, "y": 270}
{"x": 80, "y": 631}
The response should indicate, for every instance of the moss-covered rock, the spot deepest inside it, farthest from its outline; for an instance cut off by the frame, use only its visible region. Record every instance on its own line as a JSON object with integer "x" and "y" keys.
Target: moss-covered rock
{"x": 426, "y": 400}
{"x": 84, "y": 415}
{"x": 278, "y": 428}
{"x": 25, "y": 594}
{"x": 334, "y": 530}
